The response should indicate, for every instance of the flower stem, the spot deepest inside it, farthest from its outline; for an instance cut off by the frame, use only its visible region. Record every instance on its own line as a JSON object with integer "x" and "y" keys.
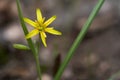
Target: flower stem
{"x": 30, "y": 42}
{"x": 38, "y": 66}
{"x": 78, "y": 39}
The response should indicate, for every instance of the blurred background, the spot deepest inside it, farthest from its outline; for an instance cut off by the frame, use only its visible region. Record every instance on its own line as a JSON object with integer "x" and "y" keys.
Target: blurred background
{"x": 97, "y": 58}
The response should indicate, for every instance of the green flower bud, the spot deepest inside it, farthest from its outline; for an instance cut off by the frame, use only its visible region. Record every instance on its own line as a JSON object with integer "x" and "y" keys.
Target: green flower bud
{"x": 21, "y": 47}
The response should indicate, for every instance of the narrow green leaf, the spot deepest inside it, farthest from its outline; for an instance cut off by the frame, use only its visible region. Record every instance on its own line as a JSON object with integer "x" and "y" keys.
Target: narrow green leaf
{"x": 21, "y": 47}
{"x": 79, "y": 39}
{"x": 115, "y": 75}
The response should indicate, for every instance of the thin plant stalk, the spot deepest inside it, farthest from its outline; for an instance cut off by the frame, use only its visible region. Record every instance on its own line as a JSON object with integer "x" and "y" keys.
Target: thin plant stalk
{"x": 29, "y": 41}
{"x": 78, "y": 39}
{"x": 38, "y": 66}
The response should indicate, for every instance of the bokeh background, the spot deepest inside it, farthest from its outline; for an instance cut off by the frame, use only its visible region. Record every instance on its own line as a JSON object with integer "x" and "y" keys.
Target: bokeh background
{"x": 97, "y": 58}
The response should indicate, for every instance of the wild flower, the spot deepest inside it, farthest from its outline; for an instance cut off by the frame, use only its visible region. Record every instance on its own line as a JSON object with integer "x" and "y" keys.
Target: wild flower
{"x": 41, "y": 27}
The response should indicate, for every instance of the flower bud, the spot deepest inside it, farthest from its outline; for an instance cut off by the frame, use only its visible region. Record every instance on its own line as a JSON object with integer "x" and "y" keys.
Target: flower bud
{"x": 21, "y": 47}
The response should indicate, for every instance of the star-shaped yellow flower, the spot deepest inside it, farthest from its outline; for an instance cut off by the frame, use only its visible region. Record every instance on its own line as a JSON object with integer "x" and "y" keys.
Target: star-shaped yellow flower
{"x": 40, "y": 27}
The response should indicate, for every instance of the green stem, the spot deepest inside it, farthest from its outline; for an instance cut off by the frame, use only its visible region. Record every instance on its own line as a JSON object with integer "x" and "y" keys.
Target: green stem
{"x": 38, "y": 66}
{"x": 29, "y": 41}
{"x": 79, "y": 39}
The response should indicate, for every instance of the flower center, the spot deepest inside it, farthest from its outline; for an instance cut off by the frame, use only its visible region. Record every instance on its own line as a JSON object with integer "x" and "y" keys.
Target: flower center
{"x": 40, "y": 27}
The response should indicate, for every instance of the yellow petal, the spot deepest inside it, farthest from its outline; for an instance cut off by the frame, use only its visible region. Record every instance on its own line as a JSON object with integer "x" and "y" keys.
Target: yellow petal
{"x": 32, "y": 23}
{"x": 32, "y": 33}
{"x": 42, "y": 34}
{"x": 53, "y": 31}
{"x": 43, "y": 19}
{"x": 39, "y": 15}
{"x": 49, "y": 21}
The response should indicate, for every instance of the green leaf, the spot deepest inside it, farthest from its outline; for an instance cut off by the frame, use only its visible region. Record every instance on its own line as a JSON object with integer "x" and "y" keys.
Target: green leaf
{"x": 21, "y": 47}
{"x": 79, "y": 39}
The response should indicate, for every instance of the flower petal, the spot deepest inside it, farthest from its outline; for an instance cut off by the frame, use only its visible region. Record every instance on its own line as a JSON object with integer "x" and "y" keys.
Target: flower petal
{"x": 39, "y": 15}
{"x": 49, "y": 21}
{"x": 32, "y": 33}
{"x": 42, "y": 34}
{"x": 43, "y": 19}
{"x": 53, "y": 31}
{"x": 32, "y": 23}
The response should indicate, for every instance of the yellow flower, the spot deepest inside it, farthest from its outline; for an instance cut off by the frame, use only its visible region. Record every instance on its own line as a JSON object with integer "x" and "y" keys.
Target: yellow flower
{"x": 40, "y": 27}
